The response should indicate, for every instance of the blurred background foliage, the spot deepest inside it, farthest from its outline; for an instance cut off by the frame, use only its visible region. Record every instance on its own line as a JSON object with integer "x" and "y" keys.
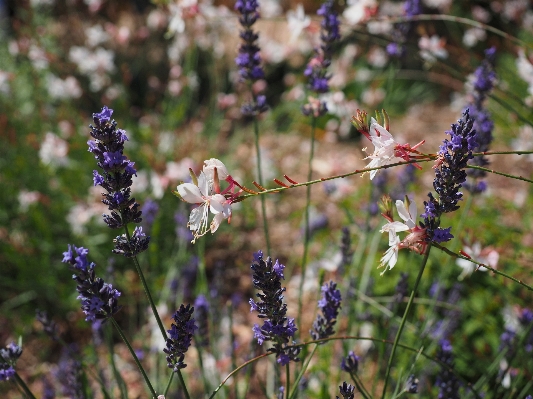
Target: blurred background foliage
{"x": 172, "y": 84}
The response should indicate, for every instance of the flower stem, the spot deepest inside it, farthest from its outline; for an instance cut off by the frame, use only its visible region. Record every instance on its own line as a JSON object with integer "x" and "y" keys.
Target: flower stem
{"x": 260, "y": 178}
{"x": 500, "y": 173}
{"x": 307, "y": 233}
{"x": 359, "y": 384}
{"x": 302, "y": 371}
{"x": 168, "y": 384}
{"x": 288, "y": 379}
{"x": 147, "y": 291}
{"x": 135, "y": 358}
{"x": 24, "y": 387}
{"x": 404, "y": 319}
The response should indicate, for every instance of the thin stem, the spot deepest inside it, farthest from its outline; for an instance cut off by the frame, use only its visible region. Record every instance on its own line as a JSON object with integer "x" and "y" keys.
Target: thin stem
{"x": 182, "y": 382}
{"x": 453, "y": 18}
{"x": 500, "y": 173}
{"x": 260, "y": 178}
{"x": 307, "y": 233}
{"x": 24, "y": 387}
{"x": 147, "y": 291}
{"x": 302, "y": 371}
{"x": 359, "y": 385}
{"x": 135, "y": 358}
{"x": 458, "y": 255}
{"x": 287, "y": 380}
{"x": 404, "y": 319}
{"x": 350, "y": 337}
{"x": 168, "y": 384}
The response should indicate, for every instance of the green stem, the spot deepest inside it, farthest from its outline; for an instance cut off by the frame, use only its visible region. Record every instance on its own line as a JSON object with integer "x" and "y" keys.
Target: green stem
{"x": 23, "y": 386}
{"x": 359, "y": 385}
{"x": 288, "y": 380}
{"x": 404, "y": 319}
{"x": 453, "y": 18}
{"x": 135, "y": 358}
{"x": 260, "y": 178}
{"x": 499, "y": 173}
{"x": 168, "y": 384}
{"x": 307, "y": 233}
{"x": 147, "y": 291}
{"x": 458, "y": 255}
{"x": 118, "y": 377}
{"x": 302, "y": 371}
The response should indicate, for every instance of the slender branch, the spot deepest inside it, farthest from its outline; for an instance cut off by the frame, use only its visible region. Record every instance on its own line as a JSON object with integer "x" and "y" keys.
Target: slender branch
{"x": 359, "y": 384}
{"x": 24, "y": 387}
{"x": 288, "y": 380}
{"x": 168, "y": 384}
{"x": 135, "y": 358}
{"x": 350, "y": 337}
{"x": 404, "y": 319}
{"x": 302, "y": 371}
{"x": 147, "y": 291}
{"x": 260, "y": 178}
{"x": 307, "y": 233}
{"x": 453, "y": 18}
{"x": 496, "y": 271}
{"x": 499, "y": 173}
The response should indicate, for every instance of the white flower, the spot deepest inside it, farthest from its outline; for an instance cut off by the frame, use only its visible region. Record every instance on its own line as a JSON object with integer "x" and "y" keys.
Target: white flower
{"x": 390, "y": 257}
{"x": 297, "y": 22}
{"x": 209, "y": 169}
{"x": 384, "y": 148}
{"x": 487, "y": 256}
{"x": 203, "y": 195}
{"x": 359, "y": 11}
{"x": 432, "y": 48}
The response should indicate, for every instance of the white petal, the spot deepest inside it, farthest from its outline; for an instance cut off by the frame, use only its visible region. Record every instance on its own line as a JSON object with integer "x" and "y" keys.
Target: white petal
{"x": 203, "y": 185}
{"x": 216, "y": 222}
{"x": 195, "y": 219}
{"x": 409, "y": 216}
{"x": 209, "y": 169}
{"x": 217, "y": 203}
{"x": 190, "y": 193}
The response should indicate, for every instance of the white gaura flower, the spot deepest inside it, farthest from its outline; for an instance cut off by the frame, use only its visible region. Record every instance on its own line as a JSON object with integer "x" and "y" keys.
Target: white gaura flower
{"x": 384, "y": 148}
{"x": 486, "y": 256}
{"x": 203, "y": 194}
{"x": 389, "y": 259}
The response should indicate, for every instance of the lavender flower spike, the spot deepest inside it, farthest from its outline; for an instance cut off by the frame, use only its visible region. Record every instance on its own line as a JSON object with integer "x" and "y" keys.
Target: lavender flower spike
{"x": 180, "y": 336}
{"x": 108, "y": 148}
{"x": 317, "y": 68}
{"x": 447, "y": 382}
{"x": 484, "y": 80}
{"x": 276, "y": 326}
{"x": 450, "y": 175}
{"x": 8, "y": 357}
{"x": 402, "y": 30}
{"x": 99, "y": 300}
{"x": 249, "y": 59}
{"x": 329, "y": 304}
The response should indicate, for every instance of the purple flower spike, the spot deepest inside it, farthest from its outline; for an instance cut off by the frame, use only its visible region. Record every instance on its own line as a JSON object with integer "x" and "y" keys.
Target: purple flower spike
{"x": 180, "y": 336}
{"x": 277, "y": 327}
{"x": 329, "y": 304}
{"x": 8, "y": 357}
{"x": 104, "y": 116}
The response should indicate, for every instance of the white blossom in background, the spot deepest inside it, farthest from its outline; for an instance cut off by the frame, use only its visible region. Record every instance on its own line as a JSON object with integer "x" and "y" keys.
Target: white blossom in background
{"x": 487, "y": 256}
{"x": 38, "y": 3}
{"x": 270, "y": 8}
{"x": 53, "y": 150}
{"x": 95, "y": 64}
{"x": 63, "y": 89}
{"x": 472, "y": 36}
{"x": 377, "y": 57}
{"x": 524, "y": 66}
{"x": 358, "y": 11}
{"x": 38, "y": 57}
{"x": 297, "y": 21}
{"x": 4, "y": 82}
{"x": 26, "y": 198}
{"x": 441, "y": 5}
{"x": 432, "y": 48}
{"x": 524, "y": 142}
{"x": 95, "y": 35}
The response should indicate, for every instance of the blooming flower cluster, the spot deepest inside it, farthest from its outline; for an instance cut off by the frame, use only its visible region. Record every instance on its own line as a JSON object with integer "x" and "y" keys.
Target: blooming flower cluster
{"x": 8, "y": 357}
{"x": 386, "y": 150}
{"x": 277, "y": 327}
{"x": 350, "y": 363}
{"x": 317, "y": 68}
{"x": 108, "y": 148}
{"x": 329, "y": 304}
{"x": 347, "y": 391}
{"x": 205, "y": 191}
{"x": 180, "y": 336}
{"x": 484, "y": 80}
{"x": 249, "y": 59}
{"x": 99, "y": 300}
{"x": 401, "y": 32}
{"x": 450, "y": 174}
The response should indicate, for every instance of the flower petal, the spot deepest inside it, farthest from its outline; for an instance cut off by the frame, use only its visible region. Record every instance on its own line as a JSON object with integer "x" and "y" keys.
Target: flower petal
{"x": 190, "y": 193}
